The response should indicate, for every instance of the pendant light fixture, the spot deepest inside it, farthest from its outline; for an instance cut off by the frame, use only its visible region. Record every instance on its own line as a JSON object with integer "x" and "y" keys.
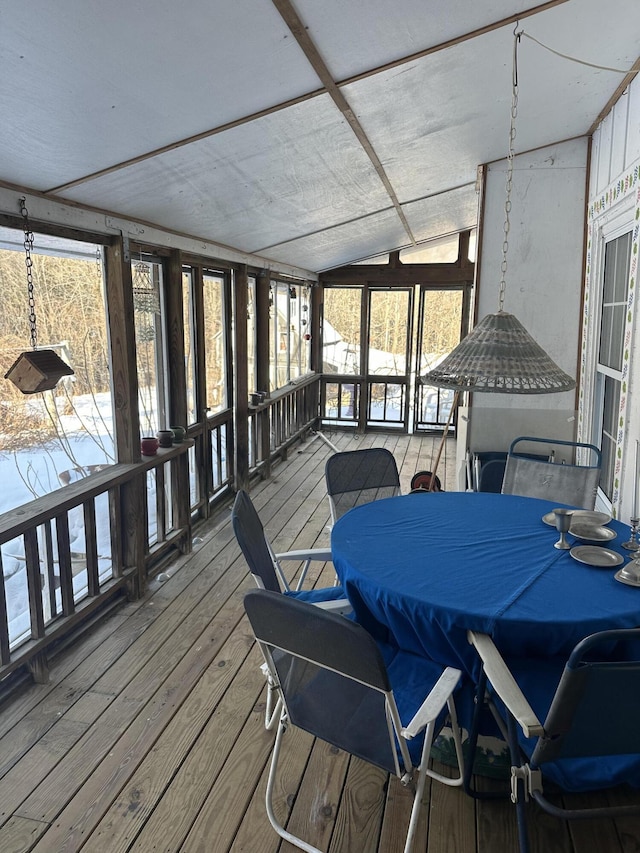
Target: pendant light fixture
{"x": 38, "y": 369}
{"x": 499, "y": 355}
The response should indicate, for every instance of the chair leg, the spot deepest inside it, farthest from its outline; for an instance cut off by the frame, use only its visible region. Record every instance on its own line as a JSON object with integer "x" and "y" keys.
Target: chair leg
{"x": 480, "y": 706}
{"x": 303, "y": 574}
{"x": 457, "y": 742}
{"x": 282, "y": 832}
{"x": 419, "y": 791}
{"x": 518, "y": 792}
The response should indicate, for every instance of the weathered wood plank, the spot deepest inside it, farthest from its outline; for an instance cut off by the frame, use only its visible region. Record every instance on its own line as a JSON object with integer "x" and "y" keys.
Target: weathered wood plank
{"x": 19, "y": 834}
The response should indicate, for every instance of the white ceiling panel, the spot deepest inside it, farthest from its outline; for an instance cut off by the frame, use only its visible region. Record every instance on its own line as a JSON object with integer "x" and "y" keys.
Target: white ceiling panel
{"x": 447, "y": 213}
{"x": 353, "y": 34}
{"x": 280, "y": 177}
{"x": 338, "y": 246}
{"x": 87, "y": 84}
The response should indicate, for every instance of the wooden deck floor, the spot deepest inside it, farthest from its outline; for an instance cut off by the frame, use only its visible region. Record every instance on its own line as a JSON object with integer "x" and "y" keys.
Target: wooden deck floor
{"x": 150, "y": 735}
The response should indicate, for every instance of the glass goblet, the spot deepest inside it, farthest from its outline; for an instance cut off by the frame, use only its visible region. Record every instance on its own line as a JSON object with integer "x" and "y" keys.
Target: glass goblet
{"x": 563, "y": 522}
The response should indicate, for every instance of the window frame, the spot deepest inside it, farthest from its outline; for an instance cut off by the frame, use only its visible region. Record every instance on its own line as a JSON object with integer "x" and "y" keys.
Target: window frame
{"x": 612, "y": 225}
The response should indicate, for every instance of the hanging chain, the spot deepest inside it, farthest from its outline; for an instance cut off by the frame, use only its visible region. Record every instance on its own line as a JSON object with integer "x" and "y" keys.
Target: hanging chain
{"x": 28, "y": 249}
{"x": 509, "y": 182}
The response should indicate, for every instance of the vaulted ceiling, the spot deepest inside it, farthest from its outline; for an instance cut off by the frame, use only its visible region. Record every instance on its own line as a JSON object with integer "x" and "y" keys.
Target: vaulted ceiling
{"x": 312, "y": 132}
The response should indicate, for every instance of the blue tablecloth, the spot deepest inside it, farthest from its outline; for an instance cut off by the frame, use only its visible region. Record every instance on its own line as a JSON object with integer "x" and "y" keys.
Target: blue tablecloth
{"x": 426, "y": 567}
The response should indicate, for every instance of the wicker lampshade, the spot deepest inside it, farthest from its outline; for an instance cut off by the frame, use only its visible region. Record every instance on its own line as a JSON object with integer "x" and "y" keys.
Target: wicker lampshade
{"x": 499, "y": 356}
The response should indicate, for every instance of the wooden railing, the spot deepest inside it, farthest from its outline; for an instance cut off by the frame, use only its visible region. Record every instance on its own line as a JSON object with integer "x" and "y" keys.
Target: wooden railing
{"x": 282, "y": 419}
{"x": 65, "y": 554}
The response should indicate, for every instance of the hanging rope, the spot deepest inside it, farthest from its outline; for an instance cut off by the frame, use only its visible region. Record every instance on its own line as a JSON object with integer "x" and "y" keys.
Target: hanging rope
{"x": 574, "y": 59}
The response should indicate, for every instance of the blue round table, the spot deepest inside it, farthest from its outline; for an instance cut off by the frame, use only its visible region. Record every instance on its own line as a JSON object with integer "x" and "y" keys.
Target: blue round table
{"x": 424, "y": 568}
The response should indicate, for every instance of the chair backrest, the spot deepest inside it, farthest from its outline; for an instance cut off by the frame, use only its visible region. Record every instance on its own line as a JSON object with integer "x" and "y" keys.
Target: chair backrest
{"x": 595, "y": 708}
{"x": 331, "y": 674}
{"x": 360, "y": 476}
{"x": 572, "y": 484}
{"x": 491, "y": 476}
{"x": 253, "y": 542}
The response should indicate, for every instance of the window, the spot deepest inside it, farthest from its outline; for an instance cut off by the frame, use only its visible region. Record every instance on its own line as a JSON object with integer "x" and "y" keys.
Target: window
{"x": 252, "y": 376}
{"x": 289, "y": 332}
{"x": 152, "y": 381}
{"x": 608, "y": 380}
{"x": 215, "y": 336}
{"x": 49, "y": 436}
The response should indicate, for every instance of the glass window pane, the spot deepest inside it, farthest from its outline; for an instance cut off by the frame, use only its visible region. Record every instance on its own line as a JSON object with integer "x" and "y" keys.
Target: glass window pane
{"x": 47, "y": 436}
{"x": 388, "y": 331}
{"x": 295, "y": 340}
{"x": 189, "y": 345}
{"x": 611, "y": 407}
{"x": 215, "y": 342}
{"x": 147, "y": 293}
{"x": 614, "y": 301}
{"x": 341, "y": 330}
{"x": 251, "y": 334}
{"x": 305, "y": 329}
{"x": 281, "y": 342}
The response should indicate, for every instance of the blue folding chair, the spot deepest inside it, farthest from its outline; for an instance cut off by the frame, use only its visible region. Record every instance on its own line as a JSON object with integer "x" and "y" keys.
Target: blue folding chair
{"x": 377, "y": 702}
{"x": 265, "y": 568}
{"x": 590, "y": 737}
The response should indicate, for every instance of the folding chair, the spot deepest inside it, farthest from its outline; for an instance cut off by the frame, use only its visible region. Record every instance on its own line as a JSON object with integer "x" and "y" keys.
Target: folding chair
{"x": 573, "y": 484}
{"x": 590, "y": 738}
{"x": 339, "y": 685}
{"x": 487, "y": 470}
{"x": 360, "y": 476}
{"x": 265, "y": 568}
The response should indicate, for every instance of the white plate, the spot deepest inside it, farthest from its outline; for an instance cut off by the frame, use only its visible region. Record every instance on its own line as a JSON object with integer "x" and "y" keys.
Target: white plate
{"x": 585, "y": 516}
{"x": 594, "y": 555}
{"x": 581, "y": 530}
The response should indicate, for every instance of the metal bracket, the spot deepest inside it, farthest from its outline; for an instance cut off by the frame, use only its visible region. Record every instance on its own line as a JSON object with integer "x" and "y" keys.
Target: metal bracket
{"x": 531, "y": 780}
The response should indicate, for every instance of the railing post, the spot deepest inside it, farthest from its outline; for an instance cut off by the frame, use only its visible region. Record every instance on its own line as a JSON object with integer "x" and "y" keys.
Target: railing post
{"x": 132, "y": 503}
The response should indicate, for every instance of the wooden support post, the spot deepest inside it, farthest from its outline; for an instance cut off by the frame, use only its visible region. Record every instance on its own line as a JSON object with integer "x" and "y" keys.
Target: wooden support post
{"x": 262, "y": 368}
{"x": 133, "y": 506}
{"x": 241, "y": 461}
{"x": 180, "y": 492}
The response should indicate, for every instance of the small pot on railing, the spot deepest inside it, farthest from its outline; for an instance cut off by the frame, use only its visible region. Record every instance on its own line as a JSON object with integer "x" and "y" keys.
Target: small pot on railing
{"x": 165, "y": 437}
{"x": 179, "y": 434}
{"x": 149, "y": 445}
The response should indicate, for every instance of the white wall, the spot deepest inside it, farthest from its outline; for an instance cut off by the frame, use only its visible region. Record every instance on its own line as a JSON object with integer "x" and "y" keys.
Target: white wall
{"x": 543, "y": 284}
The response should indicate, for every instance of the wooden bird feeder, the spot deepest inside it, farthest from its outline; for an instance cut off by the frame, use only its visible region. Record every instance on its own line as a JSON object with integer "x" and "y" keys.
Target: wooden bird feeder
{"x": 37, "y": 370}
